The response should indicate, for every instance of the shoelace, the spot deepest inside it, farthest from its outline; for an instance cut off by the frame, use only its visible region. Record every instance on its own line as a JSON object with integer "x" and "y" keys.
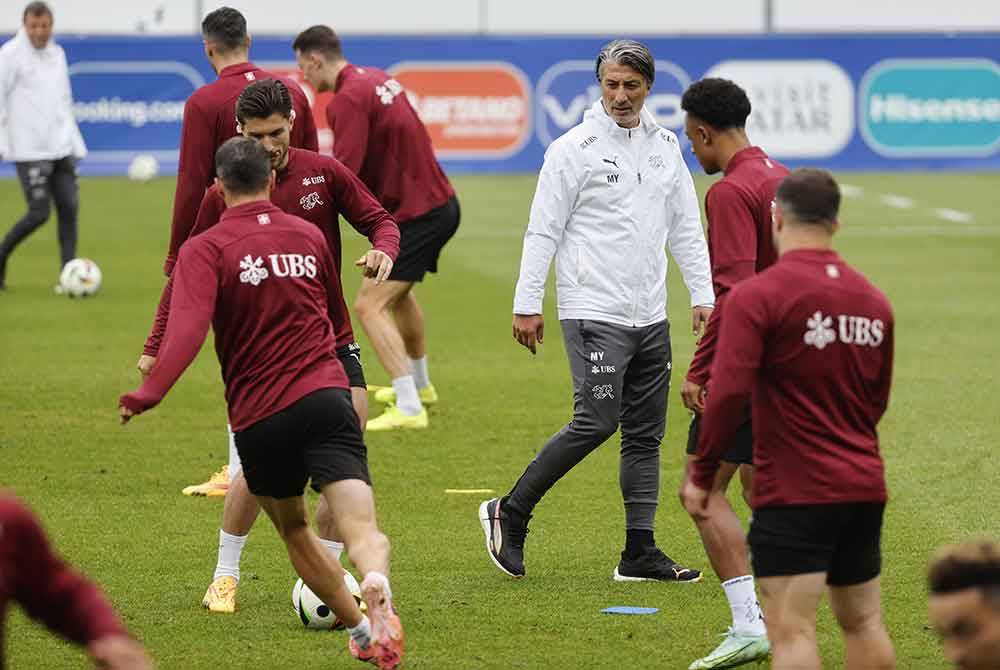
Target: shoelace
{"x": 516, "y": 534}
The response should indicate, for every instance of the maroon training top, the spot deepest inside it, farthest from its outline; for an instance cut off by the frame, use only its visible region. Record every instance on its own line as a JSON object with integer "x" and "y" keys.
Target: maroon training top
{"x": 48, "y": 590}
{"x": 210, "y": 120}
{"x": 812, "y": 339}
{"x": 265, "y": 281}
{"x": 317, "y": 188}
{"x": 738, "y": 208}
{"x": 378, "y": 135}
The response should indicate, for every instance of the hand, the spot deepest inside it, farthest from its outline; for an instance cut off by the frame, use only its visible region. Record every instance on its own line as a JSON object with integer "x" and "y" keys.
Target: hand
{"x": 693, "y": 396}
{"x": 124, "y": 414}
{"x": 693, "y": 498}
{"x": 699, "y": 319}
{"x": 119, "y": 652}
{"x": 529, "y": 329}
{"x": 376, "y": 264}
{"x": 145, "y": 365}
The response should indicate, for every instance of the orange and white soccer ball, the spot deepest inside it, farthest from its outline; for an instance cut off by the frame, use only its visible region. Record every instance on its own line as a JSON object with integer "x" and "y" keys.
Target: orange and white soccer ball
{"x": 80, "y": 278}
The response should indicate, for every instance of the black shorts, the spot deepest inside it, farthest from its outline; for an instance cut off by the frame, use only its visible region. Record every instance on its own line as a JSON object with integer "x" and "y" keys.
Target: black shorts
{"x": 350, "y": 358}
{"x": 843, "y": 540}
{"x": 318, "y": 437}
{"x": 740, "y": 449}
{"x": 421, "y": 241}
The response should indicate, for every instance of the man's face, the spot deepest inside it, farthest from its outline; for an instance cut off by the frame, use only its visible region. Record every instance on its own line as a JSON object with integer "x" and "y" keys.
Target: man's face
{"x": 39, "y": 29}
{"x": 702, "y": 144}
{"x": 624, "y": 92}
{"x": 311, "y": 67}
{"x": 969, "y": 628}
{"x": 274, "y": 133}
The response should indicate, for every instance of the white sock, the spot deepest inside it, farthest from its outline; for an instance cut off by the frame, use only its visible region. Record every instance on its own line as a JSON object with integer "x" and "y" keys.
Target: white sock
{"x": 407, "y": 399}
{"x": 362, "y": 633}
{"x": 418, "y": 366}
{"x": 334, "y": 547}
{"x": 230, "y": 550}
{"x": 380, "y": 579}
{"x": 747, "y": 617}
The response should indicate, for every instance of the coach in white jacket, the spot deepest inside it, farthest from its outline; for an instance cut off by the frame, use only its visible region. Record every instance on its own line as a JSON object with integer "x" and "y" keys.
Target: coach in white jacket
{"x": 38, "y": 131}
{"x": 612, "y": 195}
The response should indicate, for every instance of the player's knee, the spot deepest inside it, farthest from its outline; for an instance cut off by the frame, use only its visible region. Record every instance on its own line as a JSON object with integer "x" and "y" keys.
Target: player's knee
{"x": 293, "y": 531}
{"x": 861, "y": 623}
{"x": 39, "y": 210}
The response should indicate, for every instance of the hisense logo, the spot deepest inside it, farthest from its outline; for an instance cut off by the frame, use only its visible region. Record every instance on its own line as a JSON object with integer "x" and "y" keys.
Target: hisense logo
{"x": 901, "y": 108}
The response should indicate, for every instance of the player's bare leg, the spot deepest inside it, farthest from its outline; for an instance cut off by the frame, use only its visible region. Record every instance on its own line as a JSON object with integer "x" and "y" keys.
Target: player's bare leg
{"x": 374, "y": 306}
{"x": 353, "y": 507}
{"x": 790, "y": 605}
{"x": 311, "y": 561}
{"x": 858, "y": 609}
{"x": 725, "y": 543}
{"x": 409, "y": 318}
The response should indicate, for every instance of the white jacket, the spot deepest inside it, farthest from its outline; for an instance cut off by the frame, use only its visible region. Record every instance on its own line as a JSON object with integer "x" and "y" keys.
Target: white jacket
{"x": 609, "y": 201}
{"x": 36, "y": 103}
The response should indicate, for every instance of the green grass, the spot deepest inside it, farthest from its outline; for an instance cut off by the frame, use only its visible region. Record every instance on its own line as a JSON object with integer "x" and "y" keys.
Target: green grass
{"x": 111, "y": 496}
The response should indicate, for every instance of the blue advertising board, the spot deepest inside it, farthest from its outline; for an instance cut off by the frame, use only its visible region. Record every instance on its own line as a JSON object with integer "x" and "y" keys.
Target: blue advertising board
{"x": 492, "y": 104}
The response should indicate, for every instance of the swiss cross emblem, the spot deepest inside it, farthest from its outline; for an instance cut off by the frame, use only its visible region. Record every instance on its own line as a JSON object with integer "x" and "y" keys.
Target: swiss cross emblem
{"x": 249, "y": 76}
{"x": 263, "y": 219}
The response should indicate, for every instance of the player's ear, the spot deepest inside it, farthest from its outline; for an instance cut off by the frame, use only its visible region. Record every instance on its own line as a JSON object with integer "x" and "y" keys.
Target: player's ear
{"x": 222, "y": 189}
{"x": 270, "y": 182}
{"x": 291, "y": 120}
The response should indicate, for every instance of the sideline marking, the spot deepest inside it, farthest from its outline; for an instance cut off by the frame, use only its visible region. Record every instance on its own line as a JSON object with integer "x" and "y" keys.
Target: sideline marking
{"x": 468, "y": 490}
{"x": 952, "y": 215}
{"x": 897, "y": 201}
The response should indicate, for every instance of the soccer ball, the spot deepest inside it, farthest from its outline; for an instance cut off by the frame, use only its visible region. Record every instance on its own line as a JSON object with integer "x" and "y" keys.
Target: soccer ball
{"x": 313, "y": 612}
{"x": 143, "y": 168}
{"x": 80, "y": 278}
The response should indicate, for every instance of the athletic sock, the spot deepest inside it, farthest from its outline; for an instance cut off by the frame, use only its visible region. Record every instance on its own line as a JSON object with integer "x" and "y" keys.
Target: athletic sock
{"x": 362, "y": 633}
{"x": 382, "y": 579}
{"x": 334, "y": 547}
{"x": 747, "y": 617}
{"x": 418, "y": 366}
{"x": 407, "y": 399}
{"x": 637, "y": 541}
{"x": 230, "y": 550}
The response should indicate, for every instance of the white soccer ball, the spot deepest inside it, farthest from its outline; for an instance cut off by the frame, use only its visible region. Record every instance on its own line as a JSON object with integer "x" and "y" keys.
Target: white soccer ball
{"x": 313, "y": 612}
{"x": 80, "y": 278}
{"x": 143, "y": 168}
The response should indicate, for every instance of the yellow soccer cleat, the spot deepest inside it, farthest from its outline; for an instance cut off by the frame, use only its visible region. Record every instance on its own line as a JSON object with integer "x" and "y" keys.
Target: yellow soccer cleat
{"x": 215, "y": 487}
{"x": 393, "y": 419}
{"x": 387, "y": 395}
{"x": 221, "y": 595}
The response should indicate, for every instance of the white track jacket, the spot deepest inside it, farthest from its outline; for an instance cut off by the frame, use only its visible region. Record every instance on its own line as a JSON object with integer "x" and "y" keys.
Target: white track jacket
{"x": 36, "y": 104}
{"x": 609, "y": 201}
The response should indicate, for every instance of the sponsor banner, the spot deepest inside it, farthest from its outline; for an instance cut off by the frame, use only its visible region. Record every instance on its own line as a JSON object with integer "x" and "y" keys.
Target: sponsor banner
{"x": 471, "y": 109}
{"x": 493, "y": 104}
{"x": 801, "y": 108}
{"x": 931, "y": 107}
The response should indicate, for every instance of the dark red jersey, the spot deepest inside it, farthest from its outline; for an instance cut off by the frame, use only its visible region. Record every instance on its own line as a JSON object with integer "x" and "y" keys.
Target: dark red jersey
{"x": 48, "y": 590}
{"x": 378, "y": 135}
{"x": 317, "y": 188}
{"x": 210, "y": 120}
{"x": 809, "y": 342}
{"x": 738, "y": 208}
{"x": 264, "y": 281}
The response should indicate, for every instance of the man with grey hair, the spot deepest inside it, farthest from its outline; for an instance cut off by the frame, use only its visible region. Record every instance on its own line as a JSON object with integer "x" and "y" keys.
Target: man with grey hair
{"x": 612, "y": 194}
{"x": 38, "y": 132}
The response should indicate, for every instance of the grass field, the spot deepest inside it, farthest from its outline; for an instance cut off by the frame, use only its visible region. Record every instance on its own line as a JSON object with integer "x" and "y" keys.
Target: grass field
{"x": 110, "y": 496}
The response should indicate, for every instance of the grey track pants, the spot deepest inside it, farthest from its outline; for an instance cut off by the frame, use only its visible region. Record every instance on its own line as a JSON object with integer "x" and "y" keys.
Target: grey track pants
{"x": 43, "y": 182}
{"x": 620, "y": 375}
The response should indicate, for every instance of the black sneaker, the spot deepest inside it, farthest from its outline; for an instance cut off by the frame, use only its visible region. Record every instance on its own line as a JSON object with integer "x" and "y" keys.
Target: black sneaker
{"x": 653, "y": 566}
{"x": 504, "y": 537}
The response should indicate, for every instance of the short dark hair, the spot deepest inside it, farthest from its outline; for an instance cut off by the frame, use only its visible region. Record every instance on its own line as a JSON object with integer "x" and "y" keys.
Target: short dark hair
{"x": 629, "y": 53}
{"x": 36, "y": 8}
{"x": 243, "y": 165}
{"x": 810, "y": 195}
{"x": 319, "y": 39}
{"x": 262, "y": 98}
{"x": 718, "y": 102}
{"x": 227, "y": 28}
{"x": 973, "y": 565}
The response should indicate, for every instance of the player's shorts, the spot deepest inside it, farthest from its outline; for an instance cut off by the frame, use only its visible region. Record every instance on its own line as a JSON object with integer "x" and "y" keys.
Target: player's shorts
{"x": 421, "y": 241}
{"x": 843, "y": 540}
{"x": 316, "y": 438}
{"x": 350, "y": 357}
{"x": 740, "y": 449}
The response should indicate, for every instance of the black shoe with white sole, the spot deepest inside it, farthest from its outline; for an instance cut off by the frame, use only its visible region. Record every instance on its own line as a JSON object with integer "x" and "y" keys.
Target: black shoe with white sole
{"x": 504, "y": 536}
{"x": 652, "y": 565}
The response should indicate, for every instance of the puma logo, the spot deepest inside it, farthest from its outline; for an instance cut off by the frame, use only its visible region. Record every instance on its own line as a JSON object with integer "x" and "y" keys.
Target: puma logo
{"x": 612, "y": 162}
